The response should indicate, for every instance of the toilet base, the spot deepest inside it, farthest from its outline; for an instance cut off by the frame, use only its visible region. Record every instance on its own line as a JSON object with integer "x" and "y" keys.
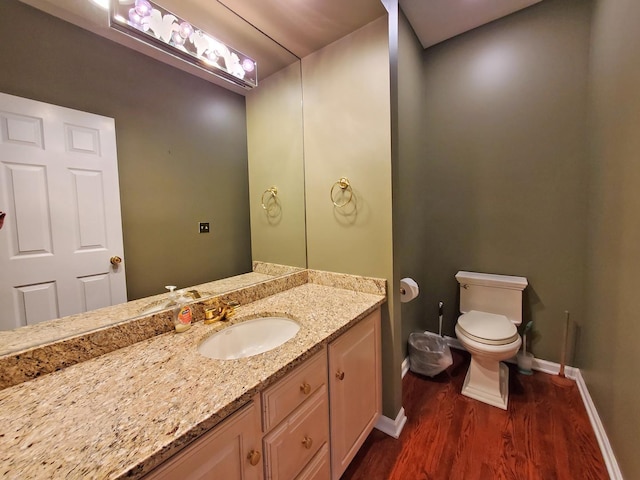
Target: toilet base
{"x": 487, "y": 381}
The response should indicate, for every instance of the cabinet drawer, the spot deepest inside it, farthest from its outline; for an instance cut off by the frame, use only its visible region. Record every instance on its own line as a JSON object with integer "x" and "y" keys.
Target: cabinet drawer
{"x": 285, "y": 396}
{"x": 319, "y": 468}
{"x": 290, "y": 446}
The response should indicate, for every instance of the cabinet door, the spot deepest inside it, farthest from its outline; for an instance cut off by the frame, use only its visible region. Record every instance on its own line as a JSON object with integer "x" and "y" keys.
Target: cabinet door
{"x": 231, "y": 451}
{"x": 354, "y": 390}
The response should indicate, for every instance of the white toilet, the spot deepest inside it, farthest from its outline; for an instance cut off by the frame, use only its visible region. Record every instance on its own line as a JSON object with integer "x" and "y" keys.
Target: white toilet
{"x": 491, "y": 307}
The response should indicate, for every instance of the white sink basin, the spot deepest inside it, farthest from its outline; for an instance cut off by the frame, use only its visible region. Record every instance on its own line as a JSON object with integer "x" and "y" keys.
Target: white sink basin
{"x": 249, "y": 338}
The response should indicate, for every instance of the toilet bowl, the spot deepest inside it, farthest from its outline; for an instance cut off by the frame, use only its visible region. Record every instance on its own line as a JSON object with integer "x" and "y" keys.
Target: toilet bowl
{"x": 489, "y": 342}
{"x": 491, "y": 307}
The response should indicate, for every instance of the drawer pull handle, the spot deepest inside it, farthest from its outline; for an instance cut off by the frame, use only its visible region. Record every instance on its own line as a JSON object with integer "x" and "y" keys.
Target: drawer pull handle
{"x": 254, "y": 457}
{"x": 305, "y": 388}
{"x": 307, "y": 442}
{"x": 340, "y": 375}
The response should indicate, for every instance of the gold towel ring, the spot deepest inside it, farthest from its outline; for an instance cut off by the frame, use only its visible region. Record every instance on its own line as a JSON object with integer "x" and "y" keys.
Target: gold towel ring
{"x": 273, "y": 191}
{"x": 344, "y": 184}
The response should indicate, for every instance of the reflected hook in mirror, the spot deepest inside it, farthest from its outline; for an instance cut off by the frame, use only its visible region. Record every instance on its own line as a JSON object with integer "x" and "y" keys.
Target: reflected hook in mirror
{"x": 270, "y": 194}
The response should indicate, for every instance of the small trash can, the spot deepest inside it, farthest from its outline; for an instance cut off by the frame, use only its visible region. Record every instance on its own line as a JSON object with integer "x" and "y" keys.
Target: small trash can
{"x": 429, "y": 354}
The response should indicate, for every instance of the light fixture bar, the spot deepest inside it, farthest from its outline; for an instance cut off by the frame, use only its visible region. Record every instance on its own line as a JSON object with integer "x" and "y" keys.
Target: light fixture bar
{"x": 155, "y": 25}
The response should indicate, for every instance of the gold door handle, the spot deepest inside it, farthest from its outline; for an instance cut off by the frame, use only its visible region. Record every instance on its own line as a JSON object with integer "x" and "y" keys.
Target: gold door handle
{"x": 254, "y": 457}
{"x": 307, "y": 442}
{"x": 305, "y": 388}
{"x": 340, "y": 375}
{"x": 115, "y": 260}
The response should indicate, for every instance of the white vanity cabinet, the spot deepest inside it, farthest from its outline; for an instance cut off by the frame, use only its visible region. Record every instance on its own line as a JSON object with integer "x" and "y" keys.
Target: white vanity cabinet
{"x": 307, "y": 426}
{"x": 355, "y": 390}
{"x": 231, "y": 451}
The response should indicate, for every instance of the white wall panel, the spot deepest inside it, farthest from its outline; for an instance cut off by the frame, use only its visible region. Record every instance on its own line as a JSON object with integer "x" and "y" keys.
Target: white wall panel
{"x": 37, "y": 303}
{"x": 21, "y": 129}
{"x": 31, "y": 205}
{"x": 90, "y": 205}
{"x": 82, "y": 139}
{"x": 96, "y": 291}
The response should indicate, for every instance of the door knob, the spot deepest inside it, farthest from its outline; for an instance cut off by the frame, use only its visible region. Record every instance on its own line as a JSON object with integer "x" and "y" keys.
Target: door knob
{"x": 305, "y": 388}
{"x": 307, "y": 442}
{"x": 254, "y": 457}
{"x": 115, "y": 260}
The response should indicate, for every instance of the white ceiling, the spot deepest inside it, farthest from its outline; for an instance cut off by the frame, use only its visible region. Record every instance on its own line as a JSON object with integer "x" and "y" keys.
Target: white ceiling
{"x": 437, "y": 20}
{"x": 289, "y": 29}
{"x": 304, "y": 26}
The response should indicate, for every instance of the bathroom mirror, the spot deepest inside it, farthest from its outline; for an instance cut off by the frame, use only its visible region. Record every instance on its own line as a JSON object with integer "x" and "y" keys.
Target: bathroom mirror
{"x": 182, "y": 142}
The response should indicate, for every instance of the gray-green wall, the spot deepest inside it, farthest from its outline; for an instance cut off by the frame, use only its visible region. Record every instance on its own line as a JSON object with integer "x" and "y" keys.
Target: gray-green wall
{"x": 182, "y": 148}
{"x": 499, "y": 184}
{"x": 347, "y": 133}
{"x": 276, "y": 159}
{"x": 607, "y": 351}
{"x": 410, "y": 231}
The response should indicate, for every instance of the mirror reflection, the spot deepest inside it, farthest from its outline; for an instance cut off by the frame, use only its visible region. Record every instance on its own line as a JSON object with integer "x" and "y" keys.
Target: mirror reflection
{"x": 184, "y": 146}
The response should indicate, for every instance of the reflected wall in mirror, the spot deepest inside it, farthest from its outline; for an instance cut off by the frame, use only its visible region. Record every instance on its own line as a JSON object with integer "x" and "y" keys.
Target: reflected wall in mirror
{"x": 181, "y": 142}
{"x": 274, "y": 124}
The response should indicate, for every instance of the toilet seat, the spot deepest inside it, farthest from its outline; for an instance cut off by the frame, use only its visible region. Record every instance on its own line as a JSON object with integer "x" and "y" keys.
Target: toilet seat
{"x": 487, "y": 328}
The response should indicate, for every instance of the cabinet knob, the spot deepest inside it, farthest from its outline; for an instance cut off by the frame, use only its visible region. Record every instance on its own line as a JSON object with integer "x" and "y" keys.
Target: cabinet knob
{"x": 340, "y": 375}
{"x": 254, "y": 457}
{"x": 305, "y": 388}
{"x": 307, "y": 442}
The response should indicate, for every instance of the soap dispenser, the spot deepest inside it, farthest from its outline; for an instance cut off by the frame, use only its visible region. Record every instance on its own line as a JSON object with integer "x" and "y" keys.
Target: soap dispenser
{"x": 173, "y": 296}
{"x": 182, "y": 313}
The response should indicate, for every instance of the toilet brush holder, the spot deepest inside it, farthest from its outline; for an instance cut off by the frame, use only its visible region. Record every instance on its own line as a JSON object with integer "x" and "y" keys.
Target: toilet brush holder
{"x": 525, "y": 362}
{"x": 524, "y": 358}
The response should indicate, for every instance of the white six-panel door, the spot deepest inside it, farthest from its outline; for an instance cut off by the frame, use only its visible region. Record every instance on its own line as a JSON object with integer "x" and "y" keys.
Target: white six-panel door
{"x": 59, "y": 189}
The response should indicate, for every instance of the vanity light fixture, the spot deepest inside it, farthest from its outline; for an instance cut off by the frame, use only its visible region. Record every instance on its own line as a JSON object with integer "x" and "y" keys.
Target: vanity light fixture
{"x": 152, "y": 24}
{"x": 104, "y": 4}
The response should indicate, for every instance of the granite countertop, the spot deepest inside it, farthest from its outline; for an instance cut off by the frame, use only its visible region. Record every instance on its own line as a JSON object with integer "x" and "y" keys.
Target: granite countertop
{"x": 62, "y": 328}
{"x": 122, "y": 413}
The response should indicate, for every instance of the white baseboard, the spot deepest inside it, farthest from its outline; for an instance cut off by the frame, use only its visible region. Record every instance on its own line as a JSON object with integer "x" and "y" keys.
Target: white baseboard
{"x": 405, "y": 366}
{"x": 553, "y": 368}
{"x": 391, "y": 427}
{"x": 573, "y": 373}
{"x": 603, "y": 441}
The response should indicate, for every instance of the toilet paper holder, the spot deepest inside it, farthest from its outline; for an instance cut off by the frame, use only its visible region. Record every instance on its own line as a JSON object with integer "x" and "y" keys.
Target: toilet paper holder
{"x": 409, "y": 289}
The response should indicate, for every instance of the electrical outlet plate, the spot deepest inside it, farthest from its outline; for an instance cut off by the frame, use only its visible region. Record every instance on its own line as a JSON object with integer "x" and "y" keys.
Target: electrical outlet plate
{"x": 203, "y": 227}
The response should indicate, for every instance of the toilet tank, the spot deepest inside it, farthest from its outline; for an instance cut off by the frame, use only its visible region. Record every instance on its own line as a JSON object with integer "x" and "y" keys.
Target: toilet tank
{"x": 491, "y": 293}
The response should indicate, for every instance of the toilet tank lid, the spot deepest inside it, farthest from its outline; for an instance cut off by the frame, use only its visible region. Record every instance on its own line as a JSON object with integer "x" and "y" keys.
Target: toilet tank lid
{"x": 492, "y": 280}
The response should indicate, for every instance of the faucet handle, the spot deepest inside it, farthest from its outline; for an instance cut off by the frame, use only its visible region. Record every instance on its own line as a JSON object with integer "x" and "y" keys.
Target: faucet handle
{"x": 219, "y": 311}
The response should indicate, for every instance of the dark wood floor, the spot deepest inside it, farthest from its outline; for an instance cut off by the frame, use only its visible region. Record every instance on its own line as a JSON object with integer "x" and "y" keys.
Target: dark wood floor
{"x": 544, "y": 435}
